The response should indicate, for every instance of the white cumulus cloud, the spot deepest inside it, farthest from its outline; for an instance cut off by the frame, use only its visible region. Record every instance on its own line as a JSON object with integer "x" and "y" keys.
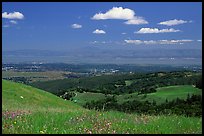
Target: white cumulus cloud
{"x": 115, "y": 13}
{"x": 121, "y": 13}
{"x": 173, "y": 22}
{"x": 136, "y": 21}
{"x": 174, "y": 41}
{"x": 98, "y": 31}
{"x": 75, "y": 26}
{"x": 13, "y": 22}
{"x": 14, "y": 15}
{"x": 151, "y": 42}
{"x": 134, "y": 41}
{"x": 107, "y": 42}
{"x": 155, "y": 30}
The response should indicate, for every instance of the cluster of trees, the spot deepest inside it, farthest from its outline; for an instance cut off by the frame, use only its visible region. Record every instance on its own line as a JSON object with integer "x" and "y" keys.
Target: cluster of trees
{"x": 199, "y": 83}
{"x": 67, "y": 95}
{"x": 192, "y": 106}
{"x": 116, "y": 84}
{"x": 147, "y": 83}
{"x": 23, "y": 80}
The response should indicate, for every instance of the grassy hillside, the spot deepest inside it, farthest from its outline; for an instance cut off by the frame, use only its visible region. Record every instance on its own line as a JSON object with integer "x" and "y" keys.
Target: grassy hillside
{"x": 19, "y": 96}
{"x": 172, "y": 92}
{"x": 82, "y": 98}
{"x": 163, "y": 93}
{"x": 29, "y": 110}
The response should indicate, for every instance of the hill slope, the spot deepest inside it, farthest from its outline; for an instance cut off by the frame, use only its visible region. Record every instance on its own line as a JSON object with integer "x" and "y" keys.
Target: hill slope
{"x": 20, "y": 96}
{"x": 163, "y": 93}
{"x": 170, "y": 93}
{"x": 29, "y": 110}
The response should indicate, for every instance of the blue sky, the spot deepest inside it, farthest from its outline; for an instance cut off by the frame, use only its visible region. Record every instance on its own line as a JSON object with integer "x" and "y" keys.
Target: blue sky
{"x": 63, "y": 26}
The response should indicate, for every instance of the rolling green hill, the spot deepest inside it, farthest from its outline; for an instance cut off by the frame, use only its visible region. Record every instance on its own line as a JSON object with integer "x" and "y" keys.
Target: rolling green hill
{"x": 20, "y": 96}
{"x": 33, "y": 111}
{"x": 163, "y": 93}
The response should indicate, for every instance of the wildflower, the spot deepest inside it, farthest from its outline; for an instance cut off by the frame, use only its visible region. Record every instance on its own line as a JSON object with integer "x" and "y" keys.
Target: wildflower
{"x": 42, "y": 132}
{"x": 14, "y": 122}
{"x": 21, "y": 97}
{"x": 89, "y": 132}
{"x": 13, "y": 115}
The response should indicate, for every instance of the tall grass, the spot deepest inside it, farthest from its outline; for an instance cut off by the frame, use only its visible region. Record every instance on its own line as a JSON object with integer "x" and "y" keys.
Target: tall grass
{"x": 93, "y": 122}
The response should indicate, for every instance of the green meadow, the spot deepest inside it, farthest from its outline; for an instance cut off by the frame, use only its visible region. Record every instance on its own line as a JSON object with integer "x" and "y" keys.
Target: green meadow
{"x": 27, "y": 110}
{"x": 163, "y": 93}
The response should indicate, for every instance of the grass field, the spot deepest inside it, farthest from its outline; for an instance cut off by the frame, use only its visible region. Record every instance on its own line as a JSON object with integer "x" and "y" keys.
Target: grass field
{"x": 172, "y": 92}
{"x": 82, "y": 98}
{"x": 29, "y": 110}
{"x": 128, "y": 82}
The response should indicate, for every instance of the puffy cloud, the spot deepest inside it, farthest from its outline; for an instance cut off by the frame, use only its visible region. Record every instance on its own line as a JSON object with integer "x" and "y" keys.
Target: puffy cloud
{"x": 13, "y": 22}
{"x": 97, "y": 31}
{"x": 155, "y": 30}
{"x": 174, "y": 41}
{"x": 173, "y": 22}
{"x": 136, "y": 21}
{"x": 185, "y": 40}
{"x": 106, "y": 42}
{"x": 143, "y": 42}
{"x": 115, "y": 13}
{"x": 123, "y": 33}
{"x": 75, "y": 26}
{"x": 134, "y": 41}
{"x": 150, "y": 42}
{"x": 14, "y": 15}
{"x": 121, "y": 13}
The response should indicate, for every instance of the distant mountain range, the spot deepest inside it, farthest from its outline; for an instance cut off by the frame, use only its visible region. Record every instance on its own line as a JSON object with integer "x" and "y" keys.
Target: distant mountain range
{"x": 100, "y": 55}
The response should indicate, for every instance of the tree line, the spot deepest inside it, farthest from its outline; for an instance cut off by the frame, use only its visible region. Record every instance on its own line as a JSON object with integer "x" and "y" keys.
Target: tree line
{"x": 192, "y": 106}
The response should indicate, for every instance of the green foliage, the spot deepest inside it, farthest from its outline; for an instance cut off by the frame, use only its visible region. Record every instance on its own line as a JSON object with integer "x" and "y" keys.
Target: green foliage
{"x": 189, "y": 107}
{"x": 121, "y": 83}
{"x": 199, "y": 83}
